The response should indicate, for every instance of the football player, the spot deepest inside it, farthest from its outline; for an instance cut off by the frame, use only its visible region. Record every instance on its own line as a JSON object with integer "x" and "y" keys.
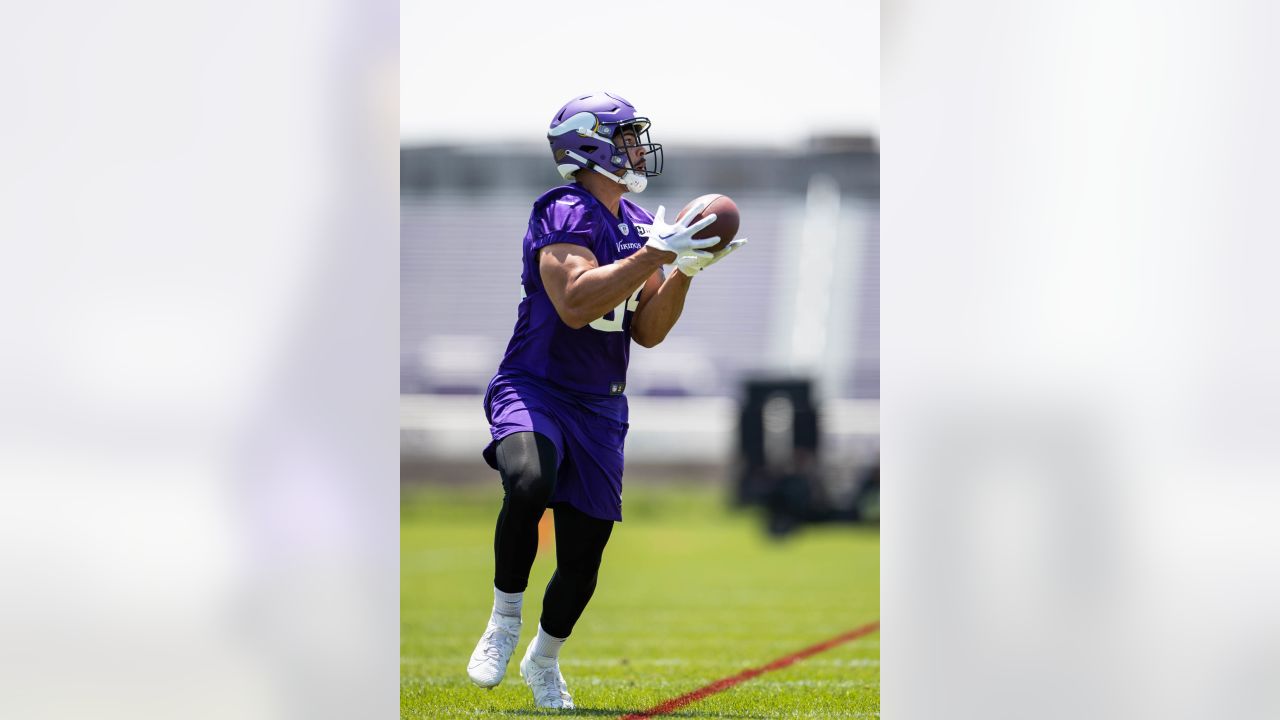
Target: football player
{"x": 592, "y": 282}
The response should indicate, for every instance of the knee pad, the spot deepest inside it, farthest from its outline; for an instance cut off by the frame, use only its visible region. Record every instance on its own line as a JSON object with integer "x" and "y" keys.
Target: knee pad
{"x": 527, "y": 462}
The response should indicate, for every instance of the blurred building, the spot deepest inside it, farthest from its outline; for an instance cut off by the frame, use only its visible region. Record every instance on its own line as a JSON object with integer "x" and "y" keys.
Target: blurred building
{"x": 802, "y": 299}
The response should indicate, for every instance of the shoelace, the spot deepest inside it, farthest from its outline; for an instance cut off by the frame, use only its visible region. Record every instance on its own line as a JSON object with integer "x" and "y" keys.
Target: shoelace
{"x": 491, "y": 641}
{"x": 549, "y": 682}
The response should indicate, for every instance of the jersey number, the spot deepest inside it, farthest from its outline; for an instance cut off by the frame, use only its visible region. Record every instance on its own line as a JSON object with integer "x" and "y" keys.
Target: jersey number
{"x": 626, "y": 306}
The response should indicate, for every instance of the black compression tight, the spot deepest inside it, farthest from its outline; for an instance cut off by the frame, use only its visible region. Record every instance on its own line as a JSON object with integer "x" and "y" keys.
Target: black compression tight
{"x": 528, "y": 462}
{"x": 580, "y": 541}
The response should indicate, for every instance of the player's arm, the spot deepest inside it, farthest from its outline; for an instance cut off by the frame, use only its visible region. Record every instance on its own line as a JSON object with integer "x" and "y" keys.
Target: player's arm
{"x": 661, "y": 303}
{"x": 581, "y": 290}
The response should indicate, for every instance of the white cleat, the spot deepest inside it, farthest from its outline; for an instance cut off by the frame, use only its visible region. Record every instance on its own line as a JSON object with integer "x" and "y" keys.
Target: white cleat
{"x": 546, "y": 682}
{"x": 492, "y": 654}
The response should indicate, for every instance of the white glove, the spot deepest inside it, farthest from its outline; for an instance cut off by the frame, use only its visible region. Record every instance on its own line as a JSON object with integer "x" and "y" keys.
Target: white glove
{"x": 695, "y": 261}
{"x": 678, "y": 238}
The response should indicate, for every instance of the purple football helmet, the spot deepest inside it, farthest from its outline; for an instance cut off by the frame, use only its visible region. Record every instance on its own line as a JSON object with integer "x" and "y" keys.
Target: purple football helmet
{"x": 581, "y": 136}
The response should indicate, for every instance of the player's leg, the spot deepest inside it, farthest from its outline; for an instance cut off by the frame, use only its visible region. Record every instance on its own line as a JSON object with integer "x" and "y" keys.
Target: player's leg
{"x": 580, "y": 542}
{"x": 527, "y": 462}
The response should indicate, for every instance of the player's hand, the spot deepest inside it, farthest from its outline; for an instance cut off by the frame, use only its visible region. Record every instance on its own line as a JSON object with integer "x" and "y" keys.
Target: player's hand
{"x": 695, "y": 261}
{"x": 678, "y": 238}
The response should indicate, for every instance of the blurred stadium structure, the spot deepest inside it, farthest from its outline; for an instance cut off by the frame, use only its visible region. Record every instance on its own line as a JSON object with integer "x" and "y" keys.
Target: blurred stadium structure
{"x": 800, "y": 301}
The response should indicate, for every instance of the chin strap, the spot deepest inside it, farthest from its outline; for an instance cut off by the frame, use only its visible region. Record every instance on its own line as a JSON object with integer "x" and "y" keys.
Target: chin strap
{"x": 634, "y": 182}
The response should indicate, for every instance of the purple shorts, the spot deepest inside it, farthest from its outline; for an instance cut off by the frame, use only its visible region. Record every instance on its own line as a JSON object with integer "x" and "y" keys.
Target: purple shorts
{"x": 588, "y": 435}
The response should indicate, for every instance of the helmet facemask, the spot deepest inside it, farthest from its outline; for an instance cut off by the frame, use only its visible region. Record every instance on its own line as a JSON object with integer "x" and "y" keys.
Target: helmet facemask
{"x": 636, "y": 134}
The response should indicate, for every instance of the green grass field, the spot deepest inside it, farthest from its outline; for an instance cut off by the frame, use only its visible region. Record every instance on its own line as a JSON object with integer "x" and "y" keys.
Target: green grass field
{"x": 690, "y": 592}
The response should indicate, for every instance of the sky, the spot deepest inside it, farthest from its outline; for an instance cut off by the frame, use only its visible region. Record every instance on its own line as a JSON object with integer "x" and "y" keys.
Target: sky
{"x": 710, "y": 72}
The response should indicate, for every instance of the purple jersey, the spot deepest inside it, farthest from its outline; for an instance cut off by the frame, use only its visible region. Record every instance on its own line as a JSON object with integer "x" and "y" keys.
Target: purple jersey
{"x": 592, "y": 360}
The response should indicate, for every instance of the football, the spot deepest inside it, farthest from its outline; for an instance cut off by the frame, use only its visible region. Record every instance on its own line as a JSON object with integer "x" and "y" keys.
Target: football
{"x": 726, "y": 224}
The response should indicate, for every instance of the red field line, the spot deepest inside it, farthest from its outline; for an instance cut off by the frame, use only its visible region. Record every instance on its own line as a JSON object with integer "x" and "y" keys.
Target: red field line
{"x": 726, "y": 683}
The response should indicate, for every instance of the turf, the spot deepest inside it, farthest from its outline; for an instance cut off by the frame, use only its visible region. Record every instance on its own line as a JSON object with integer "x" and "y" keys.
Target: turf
{"x": 690, "y": 592}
